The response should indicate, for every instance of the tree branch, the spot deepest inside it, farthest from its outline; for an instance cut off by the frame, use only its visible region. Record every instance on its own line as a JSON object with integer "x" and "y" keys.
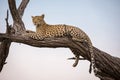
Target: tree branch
{"x": 18, "y": 27}
{"x": 4, "y": 50}
{"x": 107, "y": 65}
{"x": 5, "y": 44}
{"x": 18, "y": 23}
{"x": 22, "y": 7}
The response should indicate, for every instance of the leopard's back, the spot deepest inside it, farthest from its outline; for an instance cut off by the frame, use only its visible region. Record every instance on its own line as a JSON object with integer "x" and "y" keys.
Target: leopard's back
{"x": 62, "y": 30}
{"x": 54, "y": 31}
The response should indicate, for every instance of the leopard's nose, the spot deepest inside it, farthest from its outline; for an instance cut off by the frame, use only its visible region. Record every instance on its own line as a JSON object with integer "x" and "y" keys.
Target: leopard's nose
{"x": 35, "y": 23}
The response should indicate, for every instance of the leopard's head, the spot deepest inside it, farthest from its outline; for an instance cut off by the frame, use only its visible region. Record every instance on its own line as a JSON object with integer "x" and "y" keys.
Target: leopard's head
{"x": 38, "y": 20}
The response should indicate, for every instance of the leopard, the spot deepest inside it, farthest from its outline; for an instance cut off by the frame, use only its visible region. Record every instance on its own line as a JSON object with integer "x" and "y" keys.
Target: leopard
{"x": 45, "y": 30}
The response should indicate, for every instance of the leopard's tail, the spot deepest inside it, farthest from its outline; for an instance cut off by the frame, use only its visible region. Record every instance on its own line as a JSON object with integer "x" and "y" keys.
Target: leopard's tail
{"x": 92, "y": 64}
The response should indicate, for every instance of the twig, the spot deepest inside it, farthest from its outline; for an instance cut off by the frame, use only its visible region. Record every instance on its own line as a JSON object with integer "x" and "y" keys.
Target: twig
{"x": 73, "y": 58}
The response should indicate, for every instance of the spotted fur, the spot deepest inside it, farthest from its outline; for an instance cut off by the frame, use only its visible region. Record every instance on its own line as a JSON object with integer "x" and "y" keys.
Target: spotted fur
{"x": 44, "y": 30}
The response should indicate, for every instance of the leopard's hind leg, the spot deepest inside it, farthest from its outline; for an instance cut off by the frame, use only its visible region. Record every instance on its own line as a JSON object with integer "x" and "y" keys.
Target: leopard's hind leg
{"x": 76, "y": 61}
{"x": 76, "y": 57}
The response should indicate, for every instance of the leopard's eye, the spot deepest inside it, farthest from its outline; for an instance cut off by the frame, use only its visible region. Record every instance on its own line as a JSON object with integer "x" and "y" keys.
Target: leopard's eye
{"x": 39, "y": 19}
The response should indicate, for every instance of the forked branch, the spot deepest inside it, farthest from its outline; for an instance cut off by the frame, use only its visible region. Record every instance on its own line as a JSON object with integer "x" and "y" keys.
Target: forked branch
{"x": 18, "y": 27}
{"x": 18, "y": 23}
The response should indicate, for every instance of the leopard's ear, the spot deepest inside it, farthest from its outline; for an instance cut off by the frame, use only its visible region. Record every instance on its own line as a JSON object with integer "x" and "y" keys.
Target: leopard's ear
{"x": 32, "y": 17}
{"x": 43, "y": 16}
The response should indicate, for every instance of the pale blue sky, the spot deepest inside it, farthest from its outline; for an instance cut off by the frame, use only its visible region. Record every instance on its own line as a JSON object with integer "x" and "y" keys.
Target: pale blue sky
{"x": 100, "y": 19}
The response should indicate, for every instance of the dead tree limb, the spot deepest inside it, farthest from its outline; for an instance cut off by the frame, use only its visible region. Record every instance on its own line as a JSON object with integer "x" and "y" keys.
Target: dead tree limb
{"x": 22, "y": 7}
{"x": 108, "y": 67}
{"x": 16, "y": 15}
{"x": 18, "y": 27}
{"x": 4, "y": 46}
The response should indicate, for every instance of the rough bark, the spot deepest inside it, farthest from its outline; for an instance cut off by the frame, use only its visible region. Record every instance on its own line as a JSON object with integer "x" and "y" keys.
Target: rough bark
{"x": 108, "y": 67}
{"x": 18, "y": 28}
{"x": 17, "y": 15}
{"x": 4, "y": 46}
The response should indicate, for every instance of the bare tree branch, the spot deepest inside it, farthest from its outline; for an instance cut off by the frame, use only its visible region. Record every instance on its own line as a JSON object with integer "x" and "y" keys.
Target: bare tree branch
{"x": 18, "y": 26}
{"x": 22, "y": 7}
{"x": 4, "y": 50}
{"x": 107, "y": 65}
{"x": 5, "y": 45}
{"x": 18, "y": 23}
